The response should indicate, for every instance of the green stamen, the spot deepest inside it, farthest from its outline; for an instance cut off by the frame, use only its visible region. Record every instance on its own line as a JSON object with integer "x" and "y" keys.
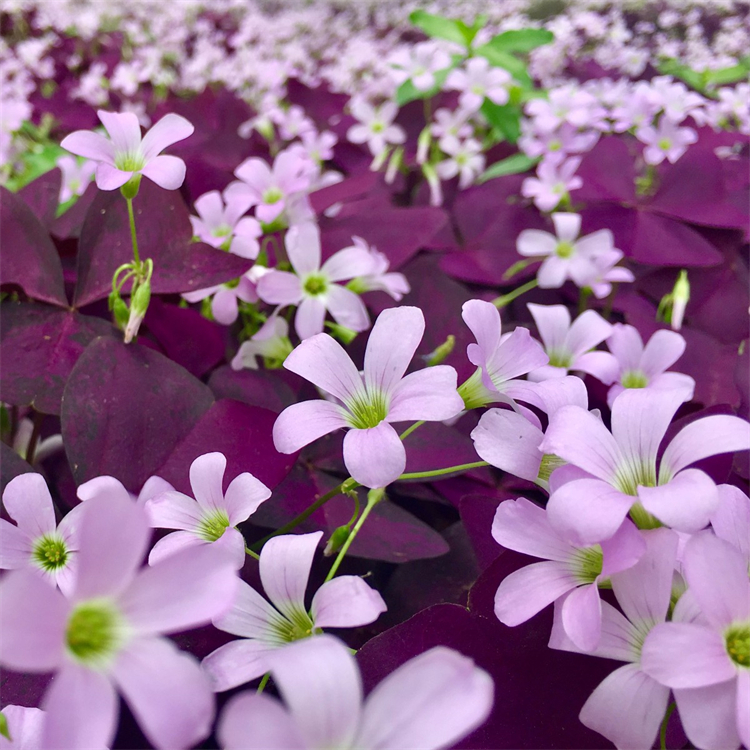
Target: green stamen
{"x": 92, "y": 633}
{"x": 50, "y": 553}
{"x": 737, "y": 642}
{"x": 665, "y": 144}
{"x": 587, "y": 564}
{"x": 634, "y": 379}
{"x": 564, "y": 249}
{"x": 315, "y": 285}
{"x": 550, "y": 462}
{"x": 367, "y": 409}
{"x": 559, "y": 358}
{"x": 213, "y": 526}
{"x": 130, "y": 162}
{"x": 272, "y": 195}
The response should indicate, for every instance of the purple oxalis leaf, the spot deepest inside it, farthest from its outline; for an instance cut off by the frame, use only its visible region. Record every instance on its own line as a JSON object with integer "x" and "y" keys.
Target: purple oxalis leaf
{"x": 11, "y": 465}
{"x": 41, "y": 196}
{"x": 124, "y": 410}
{"x": 266, "y": 388}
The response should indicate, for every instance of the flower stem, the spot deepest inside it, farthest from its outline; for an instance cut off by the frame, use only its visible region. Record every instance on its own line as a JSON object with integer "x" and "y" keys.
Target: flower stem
{"x": 251, "y": 553}
{"x": 441, "y": 472}
{"x": 373, "y": 498}
{"x": 505, "y": 299}
{"x": 133, "y": 237}
{"x": 263, "y": 682}
{"x": 583, "y": 299}
{"x": 408, "y": 431}
{"x": 665, "y": 722}
{"x": 345, "y": 486}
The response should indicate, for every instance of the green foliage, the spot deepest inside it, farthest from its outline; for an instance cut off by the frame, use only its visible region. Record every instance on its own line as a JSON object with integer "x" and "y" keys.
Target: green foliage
{"x": 521, "y": 40}
{"x": 705, "y": 81}
{"x": 512, "y": 165}
{"x": 447, "y": 28}
{"x": 505, "y": 119}
{"x": 407, "y": 92}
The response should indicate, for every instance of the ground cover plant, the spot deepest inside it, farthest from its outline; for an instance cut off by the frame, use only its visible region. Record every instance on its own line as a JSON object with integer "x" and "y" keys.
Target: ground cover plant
{"x": 374, "y": 375}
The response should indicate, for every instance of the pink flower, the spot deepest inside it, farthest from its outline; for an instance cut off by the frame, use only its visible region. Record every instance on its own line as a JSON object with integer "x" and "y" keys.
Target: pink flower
{"x": 554, "y": 180}
{"x": 127, "y": 154}
{"x": 225, "y": 227}
{"x": 477, "y": 81}
{"x": 629, "y": 364}
{"x": 419, "y": 63}
{"x": 270, "y": 189}
{"x": 567, "y": 346}
{"x": 285, "y": 562}
{"x": 367, "y": 405}
{"x": 451, "y": 124}
{"x": 75, "y": 177}
{"x": 467, "y": 161}
{"x": 271, "y": 342}
{"x": 607, "y": 272}
{"x": 212, "y": 516}
{"x": 36, "y": 542}
{"x": 106, "y": 636}
{"x": 24, "y": 727}
{"x": 629, "y": 706}
{"x": 731, "y": 519}
{"x": 617, "y": 472}
{"x": 429, "y": 703}
{"x": 569, "y": 569}
{"x": 313, "y": 287}
{"x": 666, "y": 141}
{"x": 566, "y": 256}
{"x": 707, "y": 661}
{"x": 106, "y": 486}
{"x": 377, "y": 278}
{"x": 376, "y": 127}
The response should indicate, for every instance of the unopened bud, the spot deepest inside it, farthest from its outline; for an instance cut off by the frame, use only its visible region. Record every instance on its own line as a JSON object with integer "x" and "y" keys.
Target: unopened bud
{"x": 436, "y": 190}
{"x": 4, "y": 728}
{"x": 680, "y": 298}
{"x": 138, "y": 307}
{"x": 423, "y": 145}
{"x": 119, "y": 310}
{"x": 394, "y": 164}
{"x": 438, "y": 355}
{"x": 342, "y": 333}
{"x": 337, "y": 540}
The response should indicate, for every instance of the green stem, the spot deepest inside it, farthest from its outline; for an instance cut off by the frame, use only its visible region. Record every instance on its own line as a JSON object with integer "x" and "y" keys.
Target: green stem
{"x": 408, "y": 431}
{"x": 583, "y": 299}
{"x": 373, "y": 498}
{"x": 663, "y": 731}
{"x": 34, "y": 439}
{"x": 133, "y": 238}
{"x": 251, "y": 553}
{"x": 263, "y": 682}
{"x": 506, "y": 299}
{"x": 441, "y": 472}
{"x": 345, "y": 486}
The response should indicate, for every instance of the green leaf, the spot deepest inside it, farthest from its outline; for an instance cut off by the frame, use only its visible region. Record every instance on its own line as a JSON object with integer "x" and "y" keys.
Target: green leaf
{"x": 437, "y": 26}
{"x": 505, "y": 118}
{"x": 35, "y": 163}
{"x": 407, "y": 92}
{"x": 670, "y": 66}
{"x": 502, "y": 59}
{"x": 512, "y": 165}
{"x": 522, "y": 40}
{"x": 727, "y": 75}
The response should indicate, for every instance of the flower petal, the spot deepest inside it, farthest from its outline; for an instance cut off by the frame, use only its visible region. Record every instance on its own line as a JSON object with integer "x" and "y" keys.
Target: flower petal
{"x": 567, "y": 226}
{"x": 81, "y": 709}
{"x": 206, "y": 478}
{"x": 167, "y": 692}
{"x": 663, "y": 349}
{"x": 627, "y": 708}
{"x": 167, "y": 172}
{"x": 391, "y": 346}
{"x": 535, "y": 242}
{"x": 303, "y": 248}
{"x": 15, "y": 546}
{"x": 483, "y": 320}
{"x": 236, "y": 663}
{"x": 347, "y": 308}
{"x": 346, "y": 602}
{"x": 301, "y": 424}
{"x": 102, "y": 486}
{"x": 553, "y": 272}
{"x": 710, "y": 716}
{"x": 257, "y": 722}
{"x": 124, "y": 130}
{"x": 582, "y": 617}
{"x": 244, "y": 496}
{"x": 685, "y": 503}
{"x": 173, "y": 510}
{"x": 374, "y": 457}
{"x": 324, "y": 362}
{"x": 285, "y": 563}
{"x": 29, "y": 504}
{"x": 430, "y": 702}
{"x": 602, "y": 365}
{"x": 251, "y": 616}
{"x": 731, "y": 520}
{"x": 517, "y": 354}
{"x": 173, "y": 543}
{"x": 627, "y": 345}
{"x": 280, "y": 288}
{"x": 310, "y": 317}
{"x": 90, "y": 145}
{"x": 170, "y": 129}
{"x": 348, "y": 263}
{"x": 588, "y": 330}
{"x": 224, "y": 306}
{"x": 109, "y": 177}
{"x": 553, "y": 323}
{"x": 428, "y": 394}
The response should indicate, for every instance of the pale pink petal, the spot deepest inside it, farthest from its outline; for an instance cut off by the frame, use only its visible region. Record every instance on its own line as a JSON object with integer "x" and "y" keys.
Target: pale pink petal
{"x": 102, "y": 486}
{"x": 428, "y": 394}
{"x": 582, "y": 616}
{"x": 717, "y": 575}
{"x": 285, "y": 565}
{"x": 567, "y": 226}
{"x": 523, "y": 526}
{"x": 206, "y": 477}
{"x": 552, "y": 273}
{"x": 320, "y": 683}
{"x": 81, "y": 709}
{"x": 709, "y": 715}
{"x": 705, "y": 437}
{"x": 24, "y": 726}
{"x": 596, "y": 243}
{"x": 280, "y": 288}
{"x": 15, "y": 546}
{"x": 124, "y": 130}
{"x": 268, "y": 213}
{"x": 509, "y": 441}
{"x": 346, "y": 602}
{"x": 391, "y": 346}
{"x": 684, "y": 655}
{"x": 743, "y": 701}
{"x": 236, "y": 663}
{"x": 152, "y": 487}
{"x": 109, "y": 177}
{"x": 579, "y": 437}
{"x": 347, "y": 308}
{"x": 310, "y": 317}
{"x": 303, "y": 248}
{"x": 588, "y": 330}
{"x": 675, "y": 381}
{"x": 210, "y": 208}
{"x": 685, "y": 503}
{"x": 348, "y": 263}
{"x": 731, "y": 520}
{"x": 644, "y": 590}
{"x": 517, "y": 354}
{"x": 627, "y": 346}
{"x": 167, "y": 692}
{"x": 374, "y": 457}
{"x": 663, "y": 349}
{"x": 173, "y": 510}
{"x": 483, "y": 320}
{"x": 533, "y": 242}
{"x": 251, "y": 616}
{"x": 232, "y": 543}
{"x": 167, "y": 172}
{"x": 301, "y": 424}
{"x": 91, "y": 145}
{"x": 170, "y": 129}
{"x": 33, "y": 618}
{"x": 325, "y": 363}
{"x": 529, "y": 590}
{"x": 553, "y": 323}
{"x": 200, "y": 294}
{"x": 245, "y": 247}
{"x": 29, "y": 504}
{"x": 602, "y": 365}
{"x": 627, "y": 708}
{"x": 430, "y": 702}
{"x": 256, "y": 174}
{"x": 224, "y": 306}
{"x": 588, "y": 511}
{"x": 243, "y": 497}
{"x": 172, "y": 543}
{"x": 622, "y": 550}
{"x": 185, "y": 590}
{"x": 113, "y": 537}
{"x": 257, "y": 722}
